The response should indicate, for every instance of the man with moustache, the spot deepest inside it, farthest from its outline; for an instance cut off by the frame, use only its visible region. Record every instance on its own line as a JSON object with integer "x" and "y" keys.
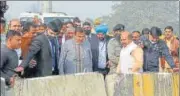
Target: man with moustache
{"x": 173, "y": 45}
{"x": 102, "y": 56}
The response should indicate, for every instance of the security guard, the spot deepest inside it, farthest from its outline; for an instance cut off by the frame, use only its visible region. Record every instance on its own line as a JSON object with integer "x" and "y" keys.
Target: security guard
{"x": 114, "y": 47}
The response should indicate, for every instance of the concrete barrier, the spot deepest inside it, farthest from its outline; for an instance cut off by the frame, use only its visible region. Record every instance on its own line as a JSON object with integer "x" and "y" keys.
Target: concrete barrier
{"x": 3, "y": 87}
{"x": 146, "y": 84}
{"x": 93, "y": 84}
{"x": 88, "y": 84}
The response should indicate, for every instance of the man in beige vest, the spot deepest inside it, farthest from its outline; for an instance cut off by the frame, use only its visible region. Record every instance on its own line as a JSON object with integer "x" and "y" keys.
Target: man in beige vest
{"x": 131, "y": 55}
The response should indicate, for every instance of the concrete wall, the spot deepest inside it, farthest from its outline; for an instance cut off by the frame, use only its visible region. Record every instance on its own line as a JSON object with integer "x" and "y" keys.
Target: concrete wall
{"x": 70, "y": 85}
{"x": 93, "y": 84}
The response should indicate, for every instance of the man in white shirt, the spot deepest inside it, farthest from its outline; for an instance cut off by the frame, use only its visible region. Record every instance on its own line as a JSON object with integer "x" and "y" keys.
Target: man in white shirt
{"x": 102, "y": 57}
{"x": 131, "y": 55}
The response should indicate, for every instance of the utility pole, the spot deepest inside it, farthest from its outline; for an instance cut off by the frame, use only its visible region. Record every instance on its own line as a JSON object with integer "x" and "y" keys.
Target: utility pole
{"x": 46, "y": 6}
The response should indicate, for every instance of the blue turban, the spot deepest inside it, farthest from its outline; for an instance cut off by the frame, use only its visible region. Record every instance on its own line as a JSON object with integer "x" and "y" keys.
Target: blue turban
{"x": 101, "y": 29}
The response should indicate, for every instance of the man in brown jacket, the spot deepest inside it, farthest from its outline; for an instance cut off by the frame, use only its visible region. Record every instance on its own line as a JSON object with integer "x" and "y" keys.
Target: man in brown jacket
{"x": 173, "y": 45}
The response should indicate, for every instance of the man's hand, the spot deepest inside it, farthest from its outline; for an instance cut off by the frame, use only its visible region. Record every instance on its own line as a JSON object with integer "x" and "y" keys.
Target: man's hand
{"x": 12, "y": 80}
{"x": 175, "y": 69}
{"x": 32, "y": 63}
{"x": 141, "y": 45}
{"x": 19, "y": 69}
{"x": 109, "y": 64}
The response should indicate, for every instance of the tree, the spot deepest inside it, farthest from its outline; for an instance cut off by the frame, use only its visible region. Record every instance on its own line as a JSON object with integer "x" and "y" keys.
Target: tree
{"x": 136, "y": 15}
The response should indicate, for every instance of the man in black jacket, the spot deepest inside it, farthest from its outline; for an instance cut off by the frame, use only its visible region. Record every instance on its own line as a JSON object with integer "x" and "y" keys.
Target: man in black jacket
{"x": 9, "y": 57}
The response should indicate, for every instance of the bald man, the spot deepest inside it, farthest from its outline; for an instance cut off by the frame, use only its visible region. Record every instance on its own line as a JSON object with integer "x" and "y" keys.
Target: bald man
{"x": 131, "y": 55}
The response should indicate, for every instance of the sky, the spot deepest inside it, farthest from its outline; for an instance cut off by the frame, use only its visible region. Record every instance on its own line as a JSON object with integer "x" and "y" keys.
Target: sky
{"x": 81, "y": 9}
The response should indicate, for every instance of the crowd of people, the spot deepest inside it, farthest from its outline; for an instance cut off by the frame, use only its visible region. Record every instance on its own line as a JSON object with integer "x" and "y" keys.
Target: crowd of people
{"x": 34, "y": 49}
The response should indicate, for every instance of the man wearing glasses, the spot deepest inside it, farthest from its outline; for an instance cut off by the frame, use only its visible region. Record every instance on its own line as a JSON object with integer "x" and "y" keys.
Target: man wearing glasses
{"x": 45, "y": 50}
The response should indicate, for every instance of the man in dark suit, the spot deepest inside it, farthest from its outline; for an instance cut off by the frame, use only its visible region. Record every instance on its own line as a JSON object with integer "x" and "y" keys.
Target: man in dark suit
{"x": 94, "y": 42}
{"x": 9, "y": 57}
{"x": 45, "y": 50}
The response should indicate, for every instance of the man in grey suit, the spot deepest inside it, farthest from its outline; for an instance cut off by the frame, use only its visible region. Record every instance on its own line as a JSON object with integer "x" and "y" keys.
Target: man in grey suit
{"x": 45, "y": 50}
{"x": 76, "y": 55}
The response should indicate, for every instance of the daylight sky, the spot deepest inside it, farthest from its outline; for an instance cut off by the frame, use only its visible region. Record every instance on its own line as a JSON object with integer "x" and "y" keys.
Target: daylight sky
{"x": 82, "y": 9}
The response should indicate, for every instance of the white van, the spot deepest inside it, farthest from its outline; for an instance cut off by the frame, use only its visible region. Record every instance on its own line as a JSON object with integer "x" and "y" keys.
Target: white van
{"x": 46, "y": 17}
{"x": 28, "y": 16}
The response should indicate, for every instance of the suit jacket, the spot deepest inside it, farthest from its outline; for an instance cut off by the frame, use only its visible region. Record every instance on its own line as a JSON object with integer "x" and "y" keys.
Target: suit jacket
{"x": 9, "y": 61}
{"x": 94, "y": 42}
{"x": 40, "y": 49}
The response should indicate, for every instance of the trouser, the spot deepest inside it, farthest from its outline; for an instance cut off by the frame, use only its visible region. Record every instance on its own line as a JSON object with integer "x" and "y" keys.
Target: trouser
{"x": 55, "y": 72}
{"x": 103, "y": 71}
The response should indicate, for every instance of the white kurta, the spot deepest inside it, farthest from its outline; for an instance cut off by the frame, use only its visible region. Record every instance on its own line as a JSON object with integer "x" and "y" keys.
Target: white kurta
{"x": 126, "y": 59}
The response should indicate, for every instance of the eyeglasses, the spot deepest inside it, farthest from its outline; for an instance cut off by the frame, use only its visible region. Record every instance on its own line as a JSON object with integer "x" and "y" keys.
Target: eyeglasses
{"x": 53, "y": 33}
{"x": 16, "y": 25}
{"x": 86, "y": 28}
{"x": 70, "y": 32}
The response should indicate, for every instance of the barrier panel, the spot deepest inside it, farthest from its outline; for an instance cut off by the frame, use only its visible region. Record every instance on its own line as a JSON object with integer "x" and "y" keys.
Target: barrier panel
{"x": 3, "y": 87}
{"x": 146, "y": 84}
{"x": 87, "y": 84}
{"x": 93, "y": 84}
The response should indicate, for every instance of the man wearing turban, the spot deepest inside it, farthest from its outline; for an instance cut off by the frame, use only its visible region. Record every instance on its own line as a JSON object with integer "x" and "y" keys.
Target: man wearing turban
{"x": 102, "y": 56}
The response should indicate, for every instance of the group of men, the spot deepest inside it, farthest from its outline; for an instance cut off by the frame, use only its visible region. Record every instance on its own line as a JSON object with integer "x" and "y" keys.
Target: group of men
{"x": 60, "y": 48}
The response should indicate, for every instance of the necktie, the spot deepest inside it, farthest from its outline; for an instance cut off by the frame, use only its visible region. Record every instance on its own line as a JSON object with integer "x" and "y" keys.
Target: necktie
{"x": 53, "y": 52}
{"x": 89, "y": 39}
